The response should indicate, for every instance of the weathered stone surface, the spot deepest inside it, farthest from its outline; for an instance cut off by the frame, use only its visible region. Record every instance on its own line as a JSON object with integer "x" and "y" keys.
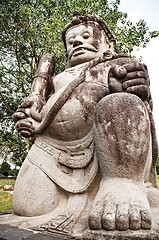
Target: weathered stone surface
{"x": 127, "y": 235}
{"x": 10, "y": 229}
{"x": 8, "y": 232}
{"x": 95, "y": 145}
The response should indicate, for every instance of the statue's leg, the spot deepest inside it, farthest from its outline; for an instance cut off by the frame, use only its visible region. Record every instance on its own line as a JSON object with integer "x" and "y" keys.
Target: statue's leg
{"x": 34, "y": 193}
{"x": 122, "y": 140}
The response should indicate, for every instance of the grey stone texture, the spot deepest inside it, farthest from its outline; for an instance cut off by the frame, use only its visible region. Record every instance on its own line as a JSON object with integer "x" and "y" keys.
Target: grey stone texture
{"x": 91, "y": 169}
{"x": 8, "y": 232}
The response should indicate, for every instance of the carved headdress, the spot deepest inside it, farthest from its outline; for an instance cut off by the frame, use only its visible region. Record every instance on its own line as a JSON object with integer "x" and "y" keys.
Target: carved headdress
{"x": 78, "y": 19}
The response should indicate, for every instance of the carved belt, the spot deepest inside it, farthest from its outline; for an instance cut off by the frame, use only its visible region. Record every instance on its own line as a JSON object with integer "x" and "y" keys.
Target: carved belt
{"x": 79, "y": 155}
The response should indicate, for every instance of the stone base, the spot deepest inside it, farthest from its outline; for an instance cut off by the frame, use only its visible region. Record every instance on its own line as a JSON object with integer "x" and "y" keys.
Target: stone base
{"x": 8, "y": 232}
{"x": 118, "y": 235}
{"x": 13, "y": 230}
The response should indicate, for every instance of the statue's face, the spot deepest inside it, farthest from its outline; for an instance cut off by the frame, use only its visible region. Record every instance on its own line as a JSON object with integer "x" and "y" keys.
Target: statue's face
{"x": 84, "y": 43}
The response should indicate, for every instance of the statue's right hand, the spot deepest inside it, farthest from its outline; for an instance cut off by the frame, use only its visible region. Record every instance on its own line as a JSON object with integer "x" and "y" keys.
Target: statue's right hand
{"x": 29, "y": 107}
{"x": 19, "y": 114}
{"x": 35, "y": 103}
{"x": 27, "y": 114}
{"x": 31, "y": 101}
{"x": 24, "y": 124}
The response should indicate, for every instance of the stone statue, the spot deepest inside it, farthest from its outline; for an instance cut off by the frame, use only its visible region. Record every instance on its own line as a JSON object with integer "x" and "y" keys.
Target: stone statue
{"x": 92, "y": 165}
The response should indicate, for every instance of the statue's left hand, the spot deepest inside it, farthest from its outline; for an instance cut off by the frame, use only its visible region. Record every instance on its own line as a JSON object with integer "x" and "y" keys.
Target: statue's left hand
{"x": 136, "y": 80}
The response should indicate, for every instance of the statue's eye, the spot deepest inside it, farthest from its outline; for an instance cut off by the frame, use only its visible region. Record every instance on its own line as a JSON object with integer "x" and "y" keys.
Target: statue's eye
{"x": 86, "y": 35}
{"x": 70, "y": 40}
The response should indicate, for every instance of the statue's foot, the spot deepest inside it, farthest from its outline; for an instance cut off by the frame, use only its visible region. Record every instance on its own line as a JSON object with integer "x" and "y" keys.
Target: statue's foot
{"x": 120, "y": 204}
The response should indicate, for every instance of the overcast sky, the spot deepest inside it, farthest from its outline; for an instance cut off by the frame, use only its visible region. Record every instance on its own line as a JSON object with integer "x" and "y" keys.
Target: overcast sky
{"x": 148, "y": 10}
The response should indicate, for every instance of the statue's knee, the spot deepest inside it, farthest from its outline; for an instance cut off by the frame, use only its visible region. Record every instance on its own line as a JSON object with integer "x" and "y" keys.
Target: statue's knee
{"x": 122, "y": 134}
{"x": 120, "y": 105}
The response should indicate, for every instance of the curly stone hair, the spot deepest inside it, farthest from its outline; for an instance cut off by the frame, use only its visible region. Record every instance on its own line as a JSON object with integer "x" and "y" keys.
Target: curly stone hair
{"x": 78, "y": 19}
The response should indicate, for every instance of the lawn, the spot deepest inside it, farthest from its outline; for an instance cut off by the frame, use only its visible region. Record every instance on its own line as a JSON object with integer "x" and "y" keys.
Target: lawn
{"x": 5, "y": 201}
{"x": 5, "y": 197}
{"x": 6, "y": 182}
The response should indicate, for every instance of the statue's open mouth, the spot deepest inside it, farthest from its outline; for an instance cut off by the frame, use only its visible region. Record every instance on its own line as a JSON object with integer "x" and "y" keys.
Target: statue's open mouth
{"x": 79, "y": 50}
{"x": 82, "y": 49}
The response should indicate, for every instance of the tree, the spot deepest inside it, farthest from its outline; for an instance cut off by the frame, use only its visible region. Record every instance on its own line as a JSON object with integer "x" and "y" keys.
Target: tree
{"x": 5, "y": 168}
{"x": 31, "y": 28}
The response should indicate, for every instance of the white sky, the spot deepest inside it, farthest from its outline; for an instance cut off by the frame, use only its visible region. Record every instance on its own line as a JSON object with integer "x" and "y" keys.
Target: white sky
{"x": 148, "y": 10}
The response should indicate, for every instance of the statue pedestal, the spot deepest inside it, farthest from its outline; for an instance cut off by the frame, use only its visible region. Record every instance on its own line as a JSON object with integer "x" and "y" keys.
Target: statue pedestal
{"x": 14, "y": 231}
{"x": 8, "y": 232}
{"x": 118, "y": 235}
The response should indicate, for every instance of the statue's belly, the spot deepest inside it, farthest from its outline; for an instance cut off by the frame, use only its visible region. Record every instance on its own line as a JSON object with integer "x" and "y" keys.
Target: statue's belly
{"x": 72, "y": 122}
{"x": 75, "y": 119}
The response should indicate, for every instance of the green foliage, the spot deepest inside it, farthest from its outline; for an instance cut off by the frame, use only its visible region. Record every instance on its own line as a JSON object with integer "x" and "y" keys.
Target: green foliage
{"x": 5, "y": 168}
{"x": 13, "y": 172}
{"x": 13, "y": 147}
{"x": 31, "y": 28}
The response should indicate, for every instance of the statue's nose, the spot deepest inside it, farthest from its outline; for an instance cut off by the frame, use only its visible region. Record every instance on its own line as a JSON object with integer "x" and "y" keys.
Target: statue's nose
{"x": 77, "y": 41}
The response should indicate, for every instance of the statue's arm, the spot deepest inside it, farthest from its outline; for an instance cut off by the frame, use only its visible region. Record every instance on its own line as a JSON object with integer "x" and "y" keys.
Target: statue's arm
{"x": 28, "y": 112}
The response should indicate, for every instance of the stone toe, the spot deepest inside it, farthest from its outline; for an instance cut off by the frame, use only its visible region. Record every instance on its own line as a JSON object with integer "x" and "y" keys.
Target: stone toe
{"x": 135, "y": 218}
{"x": 95, "y": 216}
{"x": 108, "y": 219}
{"x": 122, "y": 217}
{"x": 146, "y": 221}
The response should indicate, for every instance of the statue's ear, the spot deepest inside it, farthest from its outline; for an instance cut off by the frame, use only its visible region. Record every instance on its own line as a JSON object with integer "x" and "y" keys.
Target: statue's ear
{"x": 112, "y": 45}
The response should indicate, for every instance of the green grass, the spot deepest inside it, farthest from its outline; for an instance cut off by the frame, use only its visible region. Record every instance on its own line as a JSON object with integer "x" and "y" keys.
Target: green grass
{"x": 5, "y": 197}
{"x": 5, "y": 201}
{"x": 6, "y": 182}
{"x": 158, "y": 179}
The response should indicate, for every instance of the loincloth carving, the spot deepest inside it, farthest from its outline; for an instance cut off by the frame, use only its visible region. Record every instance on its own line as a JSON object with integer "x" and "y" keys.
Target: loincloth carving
{"x": 77, "y": 156}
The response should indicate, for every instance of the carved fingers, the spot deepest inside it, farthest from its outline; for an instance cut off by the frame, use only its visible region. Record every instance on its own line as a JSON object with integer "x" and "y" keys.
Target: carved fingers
{"x": 35, "y": 103}
{"x": 29, "y": 107}
{"x": 25, "y": 128}
{"x": 131, "y": 78}
{"x": 27, "y": 113}
{"x": 136, "y": 80}
{"x": 115, "y": 77}
{"x": 19, "y": 114}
